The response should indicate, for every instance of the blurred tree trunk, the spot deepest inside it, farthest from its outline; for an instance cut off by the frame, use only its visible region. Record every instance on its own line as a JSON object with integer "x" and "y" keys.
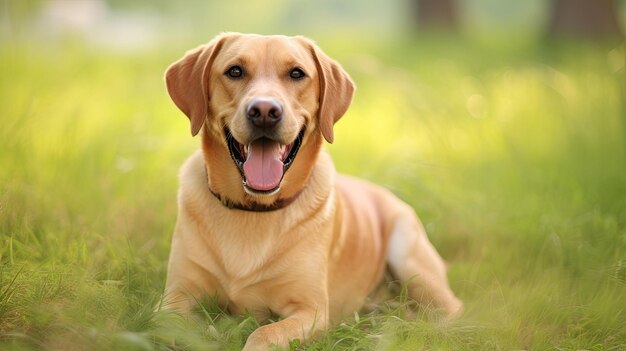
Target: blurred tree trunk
{"x": 436, "y": 14}
{"x": 587, "y": 18}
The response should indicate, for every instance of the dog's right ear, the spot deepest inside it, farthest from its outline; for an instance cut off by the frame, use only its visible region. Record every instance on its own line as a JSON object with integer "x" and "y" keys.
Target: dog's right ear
{"x": 187, "y": 81}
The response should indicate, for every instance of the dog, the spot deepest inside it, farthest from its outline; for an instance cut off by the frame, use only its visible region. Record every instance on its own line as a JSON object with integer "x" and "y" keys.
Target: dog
{"x": 265, "y": 225}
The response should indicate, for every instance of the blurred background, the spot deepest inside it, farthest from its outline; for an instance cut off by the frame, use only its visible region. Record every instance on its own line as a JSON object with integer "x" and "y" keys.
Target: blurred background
{"x": 134, "y": 24}
{"x": 503, "y": 123}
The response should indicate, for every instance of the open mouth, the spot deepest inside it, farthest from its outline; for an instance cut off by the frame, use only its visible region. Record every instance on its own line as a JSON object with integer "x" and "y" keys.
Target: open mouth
{"x": 263, "y": 163}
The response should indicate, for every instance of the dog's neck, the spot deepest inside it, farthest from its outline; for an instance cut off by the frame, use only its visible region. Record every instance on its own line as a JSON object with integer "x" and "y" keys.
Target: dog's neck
{"x": 253, "y": 206}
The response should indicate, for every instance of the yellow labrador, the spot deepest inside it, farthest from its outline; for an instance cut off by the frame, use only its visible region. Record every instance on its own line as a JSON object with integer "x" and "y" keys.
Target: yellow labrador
{"x": 264, "y": 222}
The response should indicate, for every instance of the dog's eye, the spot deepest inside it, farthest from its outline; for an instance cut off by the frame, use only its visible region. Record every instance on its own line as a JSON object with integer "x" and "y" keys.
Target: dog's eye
{"x": 235, "y": 72}
{"x": 297, "y": 74}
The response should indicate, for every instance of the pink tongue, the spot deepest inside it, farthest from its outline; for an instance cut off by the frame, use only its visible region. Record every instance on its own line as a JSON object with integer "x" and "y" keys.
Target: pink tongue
{"x": 263, "y": 168}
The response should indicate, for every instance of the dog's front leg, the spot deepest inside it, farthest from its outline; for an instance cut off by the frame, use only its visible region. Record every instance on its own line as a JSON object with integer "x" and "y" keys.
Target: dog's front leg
{"x": 302, "y": 325}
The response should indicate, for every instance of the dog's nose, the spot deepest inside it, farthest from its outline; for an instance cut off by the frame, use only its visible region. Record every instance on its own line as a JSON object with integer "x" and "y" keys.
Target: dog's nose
{"x": 264, "y": 113}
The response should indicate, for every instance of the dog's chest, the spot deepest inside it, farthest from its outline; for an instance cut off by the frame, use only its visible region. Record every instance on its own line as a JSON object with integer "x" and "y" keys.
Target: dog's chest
{"x": 251, "y": 257}
{"x": 244, "y": 252}
{"x": 245, "y": 248}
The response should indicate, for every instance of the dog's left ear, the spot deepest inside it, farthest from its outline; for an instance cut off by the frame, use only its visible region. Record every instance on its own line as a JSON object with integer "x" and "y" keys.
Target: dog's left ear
{"x": 336, "y": 91}
{"x": 187, "y": 82}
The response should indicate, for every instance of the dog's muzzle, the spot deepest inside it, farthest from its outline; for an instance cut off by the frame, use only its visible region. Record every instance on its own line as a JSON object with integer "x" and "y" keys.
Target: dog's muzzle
{"x": 264, "y": 162}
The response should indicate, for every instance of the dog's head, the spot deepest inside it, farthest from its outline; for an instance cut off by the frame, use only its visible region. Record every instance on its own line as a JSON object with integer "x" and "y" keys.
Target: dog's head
{"x": 264, "y": 101}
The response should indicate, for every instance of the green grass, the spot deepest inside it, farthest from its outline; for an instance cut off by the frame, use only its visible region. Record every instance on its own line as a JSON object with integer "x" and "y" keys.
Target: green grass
{"x": 514, "y": 160}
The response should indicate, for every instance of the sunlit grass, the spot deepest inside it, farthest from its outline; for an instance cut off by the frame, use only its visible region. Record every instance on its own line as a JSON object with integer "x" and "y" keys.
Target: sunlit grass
{"x": 514, "y": 163}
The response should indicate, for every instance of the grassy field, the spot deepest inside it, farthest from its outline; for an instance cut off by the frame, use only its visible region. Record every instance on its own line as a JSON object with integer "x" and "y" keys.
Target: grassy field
{"x": 514, "y": 160}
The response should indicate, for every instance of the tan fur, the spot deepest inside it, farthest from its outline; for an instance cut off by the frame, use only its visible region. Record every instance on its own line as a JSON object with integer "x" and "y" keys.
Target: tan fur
{"x": 315, "y": 260}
